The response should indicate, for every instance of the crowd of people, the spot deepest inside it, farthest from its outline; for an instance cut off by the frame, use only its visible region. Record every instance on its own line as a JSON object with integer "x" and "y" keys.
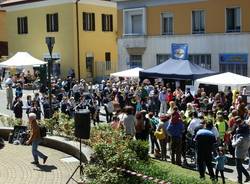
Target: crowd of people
{"x": 169, "y": 119}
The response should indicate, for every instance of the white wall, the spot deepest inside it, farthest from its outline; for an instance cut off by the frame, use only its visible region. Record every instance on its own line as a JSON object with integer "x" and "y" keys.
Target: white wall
{"x": 213, "y": 44}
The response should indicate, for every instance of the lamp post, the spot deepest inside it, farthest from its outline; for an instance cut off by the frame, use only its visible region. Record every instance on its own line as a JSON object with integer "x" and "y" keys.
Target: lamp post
{"x": 50, "y": 41}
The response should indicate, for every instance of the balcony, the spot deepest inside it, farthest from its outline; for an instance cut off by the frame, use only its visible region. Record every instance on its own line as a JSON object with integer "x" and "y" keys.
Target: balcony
{"x": 134, "y": 41}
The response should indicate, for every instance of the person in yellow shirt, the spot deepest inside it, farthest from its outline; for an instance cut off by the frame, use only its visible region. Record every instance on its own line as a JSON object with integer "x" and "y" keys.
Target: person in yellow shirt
{"x": 221, "y": 125}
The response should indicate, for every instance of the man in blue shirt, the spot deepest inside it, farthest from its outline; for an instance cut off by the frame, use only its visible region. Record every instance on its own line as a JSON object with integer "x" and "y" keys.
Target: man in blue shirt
{"x": 205, "y": 140}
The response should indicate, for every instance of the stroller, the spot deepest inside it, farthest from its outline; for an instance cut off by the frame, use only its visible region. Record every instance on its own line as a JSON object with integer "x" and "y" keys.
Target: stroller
{"x": 190, "y": 150}
{"x": 1, "y": 143}
{"x": 19, "y": 135}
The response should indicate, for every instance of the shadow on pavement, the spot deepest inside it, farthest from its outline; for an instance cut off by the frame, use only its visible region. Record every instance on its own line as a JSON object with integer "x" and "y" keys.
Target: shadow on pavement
{"x": 45, "y": 168}
{"x": 230, "y": 161}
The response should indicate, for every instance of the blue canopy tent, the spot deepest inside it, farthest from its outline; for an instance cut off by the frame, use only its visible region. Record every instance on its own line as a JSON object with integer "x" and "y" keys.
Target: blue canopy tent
{"x": 176, "y": 70}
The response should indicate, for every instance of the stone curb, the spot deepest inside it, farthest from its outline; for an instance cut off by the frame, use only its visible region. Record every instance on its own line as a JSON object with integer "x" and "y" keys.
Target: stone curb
{"x": 142, "y": 176}
{"x": 54, "y": 142}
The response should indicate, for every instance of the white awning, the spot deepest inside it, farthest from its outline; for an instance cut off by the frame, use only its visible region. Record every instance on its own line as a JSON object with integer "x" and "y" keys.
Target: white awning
{"x": 133, "y": 73}
{"x": 225, "y": 79}
{"x": 21, "y": 59}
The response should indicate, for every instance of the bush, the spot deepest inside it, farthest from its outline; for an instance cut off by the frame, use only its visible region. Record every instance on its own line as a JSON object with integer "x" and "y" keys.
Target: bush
{"x": 10, "y": 121}
{"x": 97, "y": 174}
{"x": 60, "y": 124}
{"x": 140, "y": 148}
{"x": 113, "y": 149}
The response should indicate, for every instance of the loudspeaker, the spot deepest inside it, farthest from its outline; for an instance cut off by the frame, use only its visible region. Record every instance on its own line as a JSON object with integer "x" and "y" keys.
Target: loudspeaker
{"x": 82, "y": 124}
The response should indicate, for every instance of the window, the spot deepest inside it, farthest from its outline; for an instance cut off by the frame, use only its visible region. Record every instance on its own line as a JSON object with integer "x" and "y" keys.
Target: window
{"x": 108, "y": 60}
{"x": 233, "y": 19}
{"x": 89, "y": 64}
{"x": 167, "y": 23}
{"x": 203, "y": 60}
{"x": 22, "y": 25}
{"x": 136, "y": 24}
{"x": 107, "y": 22}
{"x": 235, "y": 63}
{"x": 3, "y": 49}
{"x": 160, "y": 58}
{"x": 134, "y": 21}
{"x": 198, "y": 22}
{"x": 88, "y": 21}
{"x": 135, "y": 61}
{"x": 52, "y": 22}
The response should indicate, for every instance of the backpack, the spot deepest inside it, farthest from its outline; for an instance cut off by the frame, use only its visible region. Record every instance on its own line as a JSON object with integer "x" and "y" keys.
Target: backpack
{"x": 43, "y": 131}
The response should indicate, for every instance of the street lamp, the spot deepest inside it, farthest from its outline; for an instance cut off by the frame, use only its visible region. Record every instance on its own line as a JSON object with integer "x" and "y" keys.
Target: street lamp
{"x": 50, "y": 41}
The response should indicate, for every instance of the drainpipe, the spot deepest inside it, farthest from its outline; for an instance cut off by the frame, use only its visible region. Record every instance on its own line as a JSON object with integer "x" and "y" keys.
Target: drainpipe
{"x": 78, "y": 41}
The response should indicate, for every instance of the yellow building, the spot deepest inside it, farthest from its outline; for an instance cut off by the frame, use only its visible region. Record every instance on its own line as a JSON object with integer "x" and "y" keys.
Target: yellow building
{"x": 217, "y": 32}
{"x": 3, "y": 34}
{"x": 30, "y": 22}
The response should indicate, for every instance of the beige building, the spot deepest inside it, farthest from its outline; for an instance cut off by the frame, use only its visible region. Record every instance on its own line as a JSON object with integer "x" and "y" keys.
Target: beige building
{"x": 85, "y": 34}
{"x": 217, "y": 32}
{"x": 3, "y": 34}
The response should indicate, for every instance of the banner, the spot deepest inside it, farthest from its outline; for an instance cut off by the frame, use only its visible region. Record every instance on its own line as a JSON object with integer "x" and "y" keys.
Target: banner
{"x": 233, "y": 58}
{"x": 180, "y": 51}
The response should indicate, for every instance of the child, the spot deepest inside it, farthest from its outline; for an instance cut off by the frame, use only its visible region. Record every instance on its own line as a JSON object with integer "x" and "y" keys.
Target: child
{"x": 115, "y": 124}
{"x": 220, "y": 160}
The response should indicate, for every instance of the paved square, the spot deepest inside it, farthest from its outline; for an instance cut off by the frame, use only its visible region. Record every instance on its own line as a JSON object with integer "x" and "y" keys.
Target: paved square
{"x": 15, "y": 166}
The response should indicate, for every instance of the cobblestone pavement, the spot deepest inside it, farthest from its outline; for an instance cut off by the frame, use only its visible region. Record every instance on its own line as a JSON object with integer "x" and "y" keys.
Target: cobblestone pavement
{"x": 15, "y": 166}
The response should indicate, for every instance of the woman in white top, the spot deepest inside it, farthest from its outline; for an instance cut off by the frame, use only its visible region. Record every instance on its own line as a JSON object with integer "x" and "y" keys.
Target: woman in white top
{"x": 129, "y": 122}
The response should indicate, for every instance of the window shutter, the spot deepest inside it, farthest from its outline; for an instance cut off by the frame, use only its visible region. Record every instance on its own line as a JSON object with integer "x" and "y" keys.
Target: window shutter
{"x": 111, "y": 23}
{"x": 18, "y": 25}
{"x": 48, "y": 23}
{"x": 103, "y": 22}
{"x": 26, "y": 25}
{"x": 84, "y": 20}
{"x": 56, "y": 28}
{"x": 93, "y": 22}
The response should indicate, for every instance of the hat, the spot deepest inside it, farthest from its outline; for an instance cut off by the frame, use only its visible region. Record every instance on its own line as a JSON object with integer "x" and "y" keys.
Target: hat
{"x": 32, "y": 116}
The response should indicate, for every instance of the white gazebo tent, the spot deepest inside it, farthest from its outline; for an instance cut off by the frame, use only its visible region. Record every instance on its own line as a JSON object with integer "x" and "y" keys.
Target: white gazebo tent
{"x": 21, "y": 60}
{"x": 131, "y": 73}
{"x": 224, "y": 79}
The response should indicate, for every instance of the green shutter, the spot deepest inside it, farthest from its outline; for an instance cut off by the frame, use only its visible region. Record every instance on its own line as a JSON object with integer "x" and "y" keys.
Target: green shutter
{"x": 56, "y": 28}
{"x": 111, "y": 23}
{"x": 103, "y": 22}
{"x": 18, "y": 25}
{"x": 48, "y": 22}
{"x": 93, "y": 22}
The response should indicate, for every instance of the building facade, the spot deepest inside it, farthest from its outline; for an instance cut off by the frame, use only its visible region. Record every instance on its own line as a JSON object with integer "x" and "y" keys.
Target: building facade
{"x": 85, "y": 34}
{"x": 217, "y": 32}
{"x": 3, "y": 34}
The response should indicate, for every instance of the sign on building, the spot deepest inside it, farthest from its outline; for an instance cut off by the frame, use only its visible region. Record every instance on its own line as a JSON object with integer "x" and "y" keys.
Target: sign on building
{"x": 180, "y": 51}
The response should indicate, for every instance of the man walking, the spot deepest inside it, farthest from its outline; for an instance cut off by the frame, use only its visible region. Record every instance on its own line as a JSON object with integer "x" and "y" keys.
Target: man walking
{"x": 35, "y": 139}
